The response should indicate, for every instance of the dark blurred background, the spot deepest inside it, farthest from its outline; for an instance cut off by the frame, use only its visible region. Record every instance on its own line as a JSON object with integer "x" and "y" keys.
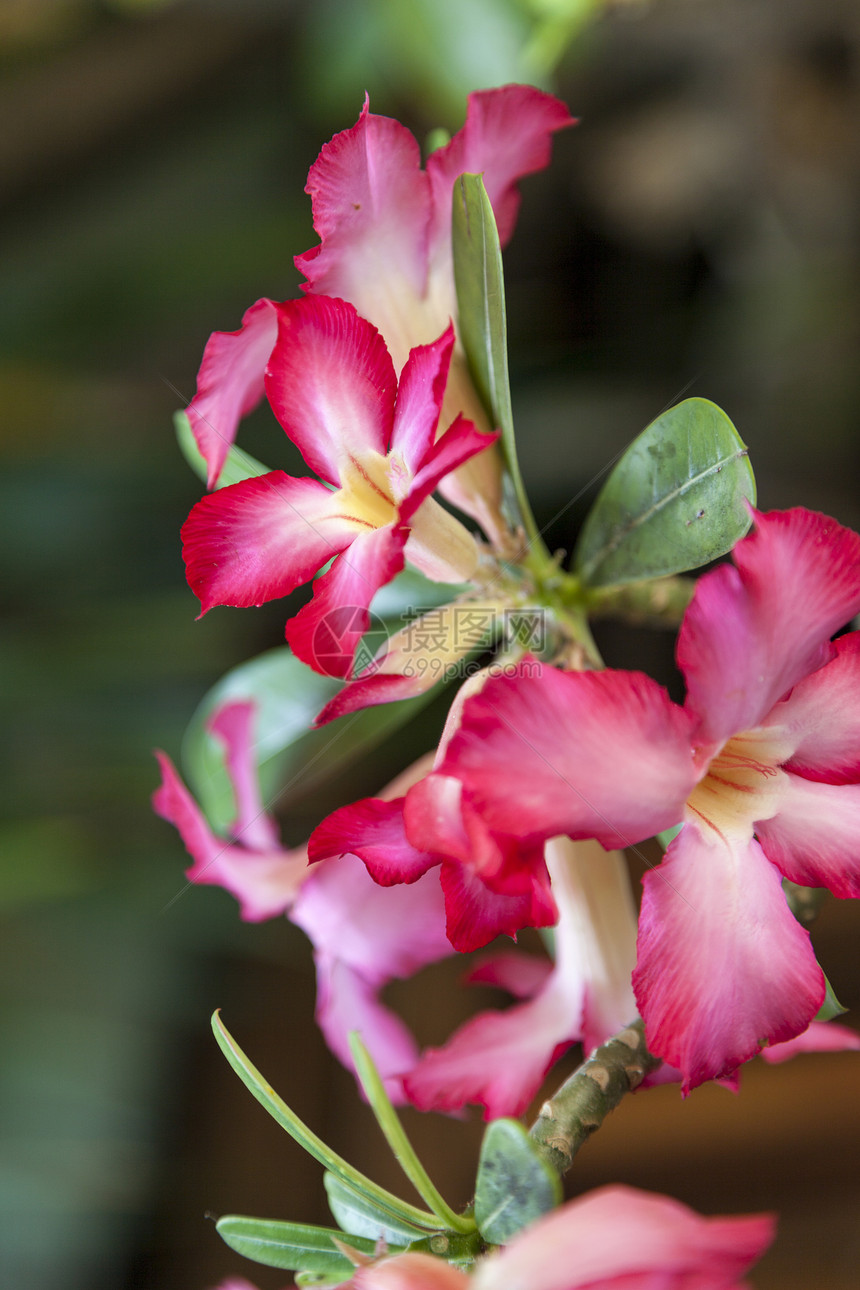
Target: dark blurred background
{"x": 698, "y": 233}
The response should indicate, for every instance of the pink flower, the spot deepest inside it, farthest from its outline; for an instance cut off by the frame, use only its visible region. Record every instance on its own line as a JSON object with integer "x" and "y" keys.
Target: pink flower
{"x": 363, "y": 936}
{"x": 385, "y": 245}
{"x": 331, "y": 384}
{"x": 615, "y": 1238}
{"x": 762, "y": 765}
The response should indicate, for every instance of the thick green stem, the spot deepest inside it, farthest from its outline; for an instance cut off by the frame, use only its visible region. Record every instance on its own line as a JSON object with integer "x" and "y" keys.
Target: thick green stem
{"x": 580, "y": 1106}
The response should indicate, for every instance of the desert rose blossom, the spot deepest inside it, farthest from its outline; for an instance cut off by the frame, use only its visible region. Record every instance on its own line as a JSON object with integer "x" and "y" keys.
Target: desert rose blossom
{"x": 363, "y": 936}
{"x": 762, "y": 766}
{"x": 331, "y": 383}
{"x": 385, "y": 245}
{"x": 615, "y": 1238}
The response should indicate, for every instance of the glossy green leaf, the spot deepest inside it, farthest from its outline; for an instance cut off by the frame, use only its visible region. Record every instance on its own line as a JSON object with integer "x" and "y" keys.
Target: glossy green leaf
{"x": 292, "y": 758}
{"x": 293, "y": 1246}
{"x": 237, "y": 466}
{"x": 482, "y": 322}
{"x": 395, "y": 1135}
{"x": 674, "y": 501}
{"x": 356, "y": 1214}
{"x": 307, "y": 1139}
{"x": 515, "y": 1184}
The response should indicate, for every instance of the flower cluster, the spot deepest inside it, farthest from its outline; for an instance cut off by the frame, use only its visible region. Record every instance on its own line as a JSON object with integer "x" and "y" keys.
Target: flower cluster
{"x": 548, "y": 767}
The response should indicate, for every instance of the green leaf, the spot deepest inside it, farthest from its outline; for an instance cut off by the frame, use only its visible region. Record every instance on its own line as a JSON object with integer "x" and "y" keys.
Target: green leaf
{"x": 356, "y": 1214}
{"x": 389, "y": 1122}
{"x": 674, "y": 501}
{"x": 237, "y": 466}
{"x": 831, "y": 1007}
{"x": 294, "y": 1246}
{"x": 482, "y": 323}
{"x": 515, "y": 1184}
{"x": 307, "y": 1139}
{"x": 292, "y": 758}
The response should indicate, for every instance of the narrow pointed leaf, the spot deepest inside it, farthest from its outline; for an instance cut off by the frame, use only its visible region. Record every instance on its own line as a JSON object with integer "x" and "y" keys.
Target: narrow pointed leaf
{"x": 356, "y": 1214}
{"x": 482, "y": 322}
{"x": 294, "y": 1246}
{"x": 306, "y": 1138}
{"x": 515, "y": 1184}
{"x": 389, "y": 1122}
{"x": 237, "y": 466}
{"x": 674, "y": 501}
{"x": 831, "y": 1007}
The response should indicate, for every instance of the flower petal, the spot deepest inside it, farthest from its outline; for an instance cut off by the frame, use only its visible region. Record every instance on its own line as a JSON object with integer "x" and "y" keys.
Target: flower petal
{"x": 819, "y": 1037}
{"x": 814, "y": 839}
{"x": 460, "y": 442}
{"x": 331, "y": 384}
{"x": 372, "y": 830}
{"x": 476, "y": 914}
{"x": 822, "y": 717}
{"x": 618, "y": 1238}
{"x": 264, "y": 882}
{"x": 521, "y": 975}
{"x": 754, "y": 631}
{"x": 230, "y": 382}
{"x": 233, "y": 724}
{"x": 588, "y": 754}
{"x": 326, "y": 632}
{"x": 507, "y": 134}
{"x": 371, "y": 209}
{"x": 723, "y": 966}
{"x": 419, "y": 400}
{"x": 409, "y": 1272}
{"x": 260, "y": 539}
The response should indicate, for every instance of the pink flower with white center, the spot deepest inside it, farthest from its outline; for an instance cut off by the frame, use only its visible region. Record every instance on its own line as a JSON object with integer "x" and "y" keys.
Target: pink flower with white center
{"x": 331, "y": 383}
{"x": 615, "y": 1238}
{"x": 385, "y": 245}
{"x": 762, "y": 766}
{"x": 363, "y": 936}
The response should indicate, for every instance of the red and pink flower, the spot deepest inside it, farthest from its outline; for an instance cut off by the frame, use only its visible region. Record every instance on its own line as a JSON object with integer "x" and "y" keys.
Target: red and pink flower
{"x": 331, "y": 383}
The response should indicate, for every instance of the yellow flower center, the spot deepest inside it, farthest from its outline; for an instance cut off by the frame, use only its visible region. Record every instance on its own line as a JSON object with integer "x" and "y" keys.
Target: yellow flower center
{"x": 366, "y": 495}
{"x": 742, "y": 783}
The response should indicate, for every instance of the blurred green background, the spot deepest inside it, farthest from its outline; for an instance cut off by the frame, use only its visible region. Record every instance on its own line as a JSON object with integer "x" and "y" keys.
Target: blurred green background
{"x": 697, "y": 233}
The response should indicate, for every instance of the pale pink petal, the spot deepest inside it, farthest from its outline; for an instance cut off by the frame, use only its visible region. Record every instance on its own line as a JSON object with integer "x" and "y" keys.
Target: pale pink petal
{"x": 814, "y": 839}
{"x": 409, "y": 1272}
{"x": 260, "y": 539}
{"x": 230, "y": 382}
{"x": 365, "y": 935}
{"x": 754, "y": 631}
{"x": 507, "y": 134}
{"x": 589, "y": 754}
{"x": 822, "y": 717}
{"x": 347, "y": 1001}
{"x": 264, "y": 882}
{"x": 371, "y": 209}
{"x": 475, "y": 914}
{"x": 460, "y": 442}
{"x": 521, "y": 975}
{"x": 819, "y": 1037}
{"x": 381, "y": 932}
{"x": 233, "y": 724}
{"x": 723, "y": 966}
{"x": 498, "y": 1059}
{"x": 618, "y": 1238}
{"x": 326, "y": 632}
{"x": 419, "y": 400}
{"x": 373, "y": 830}
{"x": 331, "y": 384}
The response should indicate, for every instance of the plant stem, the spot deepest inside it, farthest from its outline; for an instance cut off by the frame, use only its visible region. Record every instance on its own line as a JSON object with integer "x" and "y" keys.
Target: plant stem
{"x": 660, "y": 602}
{"x": 580, "y": 1106}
